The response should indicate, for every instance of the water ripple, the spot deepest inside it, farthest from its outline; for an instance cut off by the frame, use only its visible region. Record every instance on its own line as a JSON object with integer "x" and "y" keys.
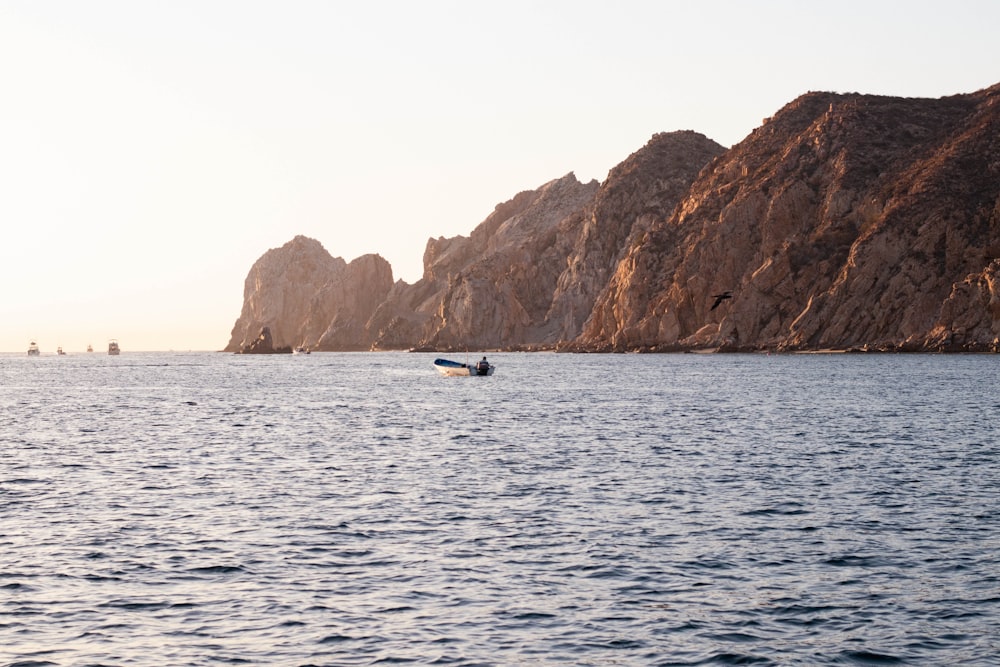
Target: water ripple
{"x": 356, "y": 509}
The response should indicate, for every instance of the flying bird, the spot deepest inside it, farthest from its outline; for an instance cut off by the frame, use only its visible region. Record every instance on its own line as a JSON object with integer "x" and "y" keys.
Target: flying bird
{"x": 719, "y": 298}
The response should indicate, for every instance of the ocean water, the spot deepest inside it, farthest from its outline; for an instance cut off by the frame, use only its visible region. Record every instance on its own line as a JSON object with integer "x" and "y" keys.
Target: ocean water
{"x": 358, "y": 509}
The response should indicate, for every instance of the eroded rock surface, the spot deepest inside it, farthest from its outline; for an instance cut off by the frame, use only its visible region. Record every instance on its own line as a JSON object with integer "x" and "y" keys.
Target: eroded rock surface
{"x": 845, "y": 221}
{"x": 307, "y": 298}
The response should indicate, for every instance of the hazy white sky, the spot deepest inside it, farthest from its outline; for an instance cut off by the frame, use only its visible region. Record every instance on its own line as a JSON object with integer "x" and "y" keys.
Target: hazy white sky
{"x": 150, "y": 152}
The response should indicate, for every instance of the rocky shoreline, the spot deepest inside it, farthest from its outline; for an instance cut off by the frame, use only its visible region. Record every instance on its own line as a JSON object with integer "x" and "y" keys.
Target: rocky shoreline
{"x": 847, "y": 222}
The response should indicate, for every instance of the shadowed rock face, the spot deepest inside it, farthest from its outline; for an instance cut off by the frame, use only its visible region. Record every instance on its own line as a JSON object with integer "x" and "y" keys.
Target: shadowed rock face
{"x": 845, "y": 221}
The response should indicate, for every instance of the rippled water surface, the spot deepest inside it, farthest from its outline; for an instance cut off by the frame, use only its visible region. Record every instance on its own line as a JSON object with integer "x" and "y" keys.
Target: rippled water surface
{"x": 356, "y": 509}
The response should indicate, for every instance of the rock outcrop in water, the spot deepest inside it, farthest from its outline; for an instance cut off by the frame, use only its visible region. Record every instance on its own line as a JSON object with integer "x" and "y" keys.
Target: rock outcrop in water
{"x": 845, "y": 221}
{"x": 306, "y": 298}
{"x": 262, "y": 344}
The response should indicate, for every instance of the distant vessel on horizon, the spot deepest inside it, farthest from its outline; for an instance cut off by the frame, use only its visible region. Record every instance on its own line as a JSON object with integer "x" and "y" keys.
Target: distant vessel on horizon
{"x": 59, "y": 351}
{"x": 33, "y": 350}
{"x": 113, "y": 348}
{"x": 90, "y": 348}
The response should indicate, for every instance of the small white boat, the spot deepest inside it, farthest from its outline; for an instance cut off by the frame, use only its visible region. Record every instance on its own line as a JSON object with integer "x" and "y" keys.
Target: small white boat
{"x": 113, "y": 348}
{"x": 301, "y": 350}
{"x": 455, "y": 368}
{"x": 33, "y": 350}
{"x": 59, "y": 351}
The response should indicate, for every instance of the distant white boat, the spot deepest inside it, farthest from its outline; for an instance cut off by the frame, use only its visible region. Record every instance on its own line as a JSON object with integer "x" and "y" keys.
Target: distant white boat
{"x": 90, "y": 348}
{"x": 454, "y": 368}
{"x": 113, "y": 348}
{"x": 59, "y": 351}
{"x": 33, "y": 350}
{"x": 301, "y": 350}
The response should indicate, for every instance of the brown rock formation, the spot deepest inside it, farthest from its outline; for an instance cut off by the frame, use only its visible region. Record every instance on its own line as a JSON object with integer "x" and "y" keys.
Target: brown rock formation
{"x": 846, "y": 221}
{"x": 493, "y": 288}
{"x": 262, "y": 344}
{"x": 503, "y": 293}
{"x": 528, "y": 275}
{"x": 644, "y": 188}
{"x": 307, "y": 298}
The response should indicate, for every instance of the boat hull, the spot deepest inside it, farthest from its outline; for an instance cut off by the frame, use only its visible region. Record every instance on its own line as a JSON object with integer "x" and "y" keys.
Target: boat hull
{"x": 450, "y": 368}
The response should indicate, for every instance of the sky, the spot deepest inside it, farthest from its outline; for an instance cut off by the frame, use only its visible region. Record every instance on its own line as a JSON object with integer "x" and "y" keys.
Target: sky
{"x": 151, "y": 152}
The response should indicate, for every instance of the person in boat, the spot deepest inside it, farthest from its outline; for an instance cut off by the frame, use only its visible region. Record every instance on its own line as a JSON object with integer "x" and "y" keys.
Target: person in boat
{"x": 483, "y": 366}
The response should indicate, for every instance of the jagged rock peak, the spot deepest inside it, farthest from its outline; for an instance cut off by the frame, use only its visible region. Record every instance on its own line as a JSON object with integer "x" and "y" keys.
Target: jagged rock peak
{"x": 546, "y": 203}
{"x": 665, "y": 147}
{"x": 530, "y": 212}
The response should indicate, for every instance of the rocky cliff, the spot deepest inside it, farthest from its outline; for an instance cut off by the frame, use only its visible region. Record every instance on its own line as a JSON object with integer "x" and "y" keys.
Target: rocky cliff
{"x": 490, "y": 289}
{"x": 528, "y": 275}
{"x": 644, "y": 188}
{"x": 844, "y": 221}
{"x": 306, "y": 298}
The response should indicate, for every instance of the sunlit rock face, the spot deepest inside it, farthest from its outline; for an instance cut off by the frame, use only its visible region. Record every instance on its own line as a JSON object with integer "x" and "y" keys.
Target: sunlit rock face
{"x": 845, "y": 221}
{"x": 527, "y": 276}
{"x": 500, "y": 292}
{"x": 307, "y": 298}
{"x": 644, "y": 188}
{"x": 493, "y": 288}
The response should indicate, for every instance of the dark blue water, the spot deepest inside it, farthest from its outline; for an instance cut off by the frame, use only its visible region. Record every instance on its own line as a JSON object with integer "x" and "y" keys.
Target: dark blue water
{"x": 358, "y": 509}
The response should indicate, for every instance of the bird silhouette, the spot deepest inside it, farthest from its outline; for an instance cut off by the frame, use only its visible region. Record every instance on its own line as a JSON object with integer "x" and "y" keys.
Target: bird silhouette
{"x": 719, "y": 298}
